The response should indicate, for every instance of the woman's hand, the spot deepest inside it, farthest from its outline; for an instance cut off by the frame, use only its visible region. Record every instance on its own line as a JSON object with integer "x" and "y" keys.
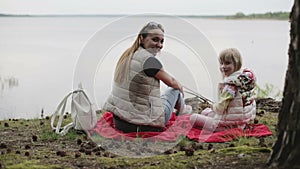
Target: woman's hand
{"x": 168, "y": 80}
{"x": 181, "y": 89}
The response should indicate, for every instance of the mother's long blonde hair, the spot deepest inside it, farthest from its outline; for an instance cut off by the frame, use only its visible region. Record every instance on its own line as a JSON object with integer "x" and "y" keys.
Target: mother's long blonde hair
{"x": 123, "y": 64}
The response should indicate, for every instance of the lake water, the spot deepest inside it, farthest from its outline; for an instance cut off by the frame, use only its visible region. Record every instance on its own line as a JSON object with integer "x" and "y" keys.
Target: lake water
{"x": 46, "y": 57}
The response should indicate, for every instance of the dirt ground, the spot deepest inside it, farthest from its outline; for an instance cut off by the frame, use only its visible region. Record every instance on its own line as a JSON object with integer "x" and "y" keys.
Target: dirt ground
{"x": 33, "y": 144}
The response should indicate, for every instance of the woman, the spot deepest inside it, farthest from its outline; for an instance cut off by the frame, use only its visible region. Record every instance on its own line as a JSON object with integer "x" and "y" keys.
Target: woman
{"x": 135, "y": 100}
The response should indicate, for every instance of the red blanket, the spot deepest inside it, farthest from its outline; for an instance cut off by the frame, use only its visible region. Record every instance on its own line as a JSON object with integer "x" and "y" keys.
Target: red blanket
{"x": 179, "y": 126}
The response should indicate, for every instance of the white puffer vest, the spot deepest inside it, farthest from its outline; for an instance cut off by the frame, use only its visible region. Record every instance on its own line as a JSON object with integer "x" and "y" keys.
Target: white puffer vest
{"x": 237, "y": 113}
{"x": 138, "y": 100}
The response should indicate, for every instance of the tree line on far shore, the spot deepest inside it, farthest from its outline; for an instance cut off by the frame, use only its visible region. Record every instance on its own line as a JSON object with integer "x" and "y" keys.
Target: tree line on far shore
{"x": 238, "y": 15}
{"x": 268, "y": 15}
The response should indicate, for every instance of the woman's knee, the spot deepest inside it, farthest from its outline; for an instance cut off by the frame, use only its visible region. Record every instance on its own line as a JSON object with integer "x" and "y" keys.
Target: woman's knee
{"x": 172, "y": 91}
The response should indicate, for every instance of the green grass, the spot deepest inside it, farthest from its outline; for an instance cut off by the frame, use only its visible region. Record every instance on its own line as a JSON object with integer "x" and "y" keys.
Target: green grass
{"x": 243, "y": 149}
{"x": 49, "y": 136}
{"x": 34, "y": 164}
{"x": 267, "y": 91}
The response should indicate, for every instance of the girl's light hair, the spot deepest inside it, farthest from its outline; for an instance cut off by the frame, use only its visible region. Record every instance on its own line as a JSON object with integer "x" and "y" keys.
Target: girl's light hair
{"x": 231, "y": 54}
{"x": 123, "y": 64}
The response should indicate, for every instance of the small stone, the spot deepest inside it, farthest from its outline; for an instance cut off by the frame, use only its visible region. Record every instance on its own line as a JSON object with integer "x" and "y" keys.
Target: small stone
{"x": 27, "y": 147}
{"x": 263, "y": 145}
{"x": 3, "y": 145}
{"x": 77, "y": 154}
{"x": 61, "y": 153}
{"x": 113, "y": 155}
{"x": 189, "y": 152}
{"x": 261, "y": 140}
{"x": 197, "y": 146}
{"x": 231, "y": 145}
{"x": 79, "y": 141}
{"x": 261, "y": 113}
{"x": 106, "y": 154}
{"x": 97, "y": 149}
{"x": 241, "y": 155}
{"x": 27, "y": 154}
{"x": 82, "y": 150}
{"x": 212, "y": 150}
{"x": 182, "y": 148}
{"x": 92, "y": 144}
{"x": 169, "y": 151}
{"x": 210, "y": 146}
{"x": 88, "y": 152}
{"x": 8, "y": 150}
{"x": 34, "y": 138}
{"x": 104, "y": 147}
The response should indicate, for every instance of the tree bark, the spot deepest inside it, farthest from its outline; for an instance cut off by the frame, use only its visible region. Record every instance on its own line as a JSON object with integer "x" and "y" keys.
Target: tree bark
{"x": 286, "y": 150}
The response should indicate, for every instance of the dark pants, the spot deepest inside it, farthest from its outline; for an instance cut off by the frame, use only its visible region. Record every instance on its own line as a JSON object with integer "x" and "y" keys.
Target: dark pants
{"x": 129, "y": 127}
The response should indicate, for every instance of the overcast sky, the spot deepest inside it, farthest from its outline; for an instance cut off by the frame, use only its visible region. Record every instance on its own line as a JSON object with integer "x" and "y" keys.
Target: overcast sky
{"x": 175, "y": 7}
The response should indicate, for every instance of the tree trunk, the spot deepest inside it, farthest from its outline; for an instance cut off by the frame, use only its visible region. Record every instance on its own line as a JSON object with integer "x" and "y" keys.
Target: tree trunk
{"x": 286, "y": 150}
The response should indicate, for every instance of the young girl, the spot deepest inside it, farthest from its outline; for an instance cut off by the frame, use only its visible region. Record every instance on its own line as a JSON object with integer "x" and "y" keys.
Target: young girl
{"x": 236, "y": 106}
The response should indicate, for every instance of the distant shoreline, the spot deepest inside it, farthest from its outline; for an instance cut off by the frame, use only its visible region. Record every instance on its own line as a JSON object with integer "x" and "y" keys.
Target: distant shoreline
{"x": 269, "y": 15}
{"x": 115, "y": 15}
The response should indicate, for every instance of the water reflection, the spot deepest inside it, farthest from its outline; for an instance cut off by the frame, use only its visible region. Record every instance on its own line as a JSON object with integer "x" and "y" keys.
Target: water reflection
{"x": 8, "y": 83}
